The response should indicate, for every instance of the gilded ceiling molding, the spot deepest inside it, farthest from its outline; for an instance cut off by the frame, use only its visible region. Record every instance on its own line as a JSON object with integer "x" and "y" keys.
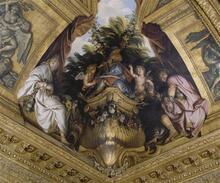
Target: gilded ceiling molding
{"x": 215, "y": 4}
{"x": 145, "y": 8}
{"x": 11, "y": 172}
{"x": 168, "y": 15}
{"x": 33, "y": 152}
{"x": 38, "y": 158}
{"x": 92, "y": 6}
{"x": 180, "y": 164}
{"x": 70, "y": 9}
{"x": 207, "y": 10}
{"x": 211, "y": 177}
{"x": 209, "y": 14}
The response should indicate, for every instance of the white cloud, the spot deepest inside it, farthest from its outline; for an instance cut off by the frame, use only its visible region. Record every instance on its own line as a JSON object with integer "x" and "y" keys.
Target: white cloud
{"x": 78, "y": 44}
{"x": 106, "y": 9}
{"x": 147, "y": 45}
{"x": 112, "y": 8}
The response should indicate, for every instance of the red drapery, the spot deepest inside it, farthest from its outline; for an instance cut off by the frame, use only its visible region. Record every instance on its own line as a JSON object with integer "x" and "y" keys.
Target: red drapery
{"x": 166, "y": 52}
{"x": 164, "y": 49}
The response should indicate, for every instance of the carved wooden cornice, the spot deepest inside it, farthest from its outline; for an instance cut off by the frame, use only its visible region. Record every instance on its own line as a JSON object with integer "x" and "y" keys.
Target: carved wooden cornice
{"x": 59, "y": 164}
{"x": 190, "y": 160}
{"x": 33, "y": 152}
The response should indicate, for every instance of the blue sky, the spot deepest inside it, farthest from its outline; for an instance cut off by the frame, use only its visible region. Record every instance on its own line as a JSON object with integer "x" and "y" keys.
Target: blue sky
{"x": 107, "y": 9}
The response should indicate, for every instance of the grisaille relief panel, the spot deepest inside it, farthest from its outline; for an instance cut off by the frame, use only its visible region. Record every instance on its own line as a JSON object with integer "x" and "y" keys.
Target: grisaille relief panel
{"x": 210, "y": 54}
{"x": 16, "y": 40}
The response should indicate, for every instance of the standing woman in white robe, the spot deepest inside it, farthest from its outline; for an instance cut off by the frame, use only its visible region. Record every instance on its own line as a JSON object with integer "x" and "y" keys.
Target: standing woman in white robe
{"x": 49, "y": 111}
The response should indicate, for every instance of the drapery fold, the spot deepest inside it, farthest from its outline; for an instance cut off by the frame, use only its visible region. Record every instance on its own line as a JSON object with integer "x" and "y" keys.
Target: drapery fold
{"x": 62, "y": 44}
{"x": 164, "y": 49}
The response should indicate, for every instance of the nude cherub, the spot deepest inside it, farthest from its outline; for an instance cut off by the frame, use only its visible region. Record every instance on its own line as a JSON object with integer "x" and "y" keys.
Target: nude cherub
{"x": 87, "y": 77}
{"x": 89, "y": 80}
{"x": 142, "y": 83}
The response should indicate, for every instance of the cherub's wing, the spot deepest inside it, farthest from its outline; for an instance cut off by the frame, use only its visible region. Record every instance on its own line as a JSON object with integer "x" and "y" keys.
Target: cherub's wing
{"x": 80, "y": 76}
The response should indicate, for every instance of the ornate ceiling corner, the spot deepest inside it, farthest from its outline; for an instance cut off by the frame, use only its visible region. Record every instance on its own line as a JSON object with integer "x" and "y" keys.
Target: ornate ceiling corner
{"x": 28, "y": 155}
{"x": 168, "y": 15}
{"x": 41, "y": 157}
{"x": 211, "y": 177}
{"x": 208, "y": 11}
{"x": 72, "y": 8}
{"x": 145, "y": 8}
{"x": 148, "y": 7}
{"x": 181, "y": 164}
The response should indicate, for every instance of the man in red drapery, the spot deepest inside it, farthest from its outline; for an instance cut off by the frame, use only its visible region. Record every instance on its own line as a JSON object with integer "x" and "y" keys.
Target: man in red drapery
{"x": 164, "y": 49}
{"x": 194, "y": 108}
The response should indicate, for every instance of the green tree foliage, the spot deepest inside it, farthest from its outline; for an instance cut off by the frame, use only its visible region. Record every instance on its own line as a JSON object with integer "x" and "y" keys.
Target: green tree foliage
{"x": 121, "y": 33}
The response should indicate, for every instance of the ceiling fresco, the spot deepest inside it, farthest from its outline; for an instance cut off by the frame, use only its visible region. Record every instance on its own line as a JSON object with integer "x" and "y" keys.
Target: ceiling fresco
{"x": 210, "y": 50}
{"x": 16, "y": 35}
{"x": 110, "y": 87}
